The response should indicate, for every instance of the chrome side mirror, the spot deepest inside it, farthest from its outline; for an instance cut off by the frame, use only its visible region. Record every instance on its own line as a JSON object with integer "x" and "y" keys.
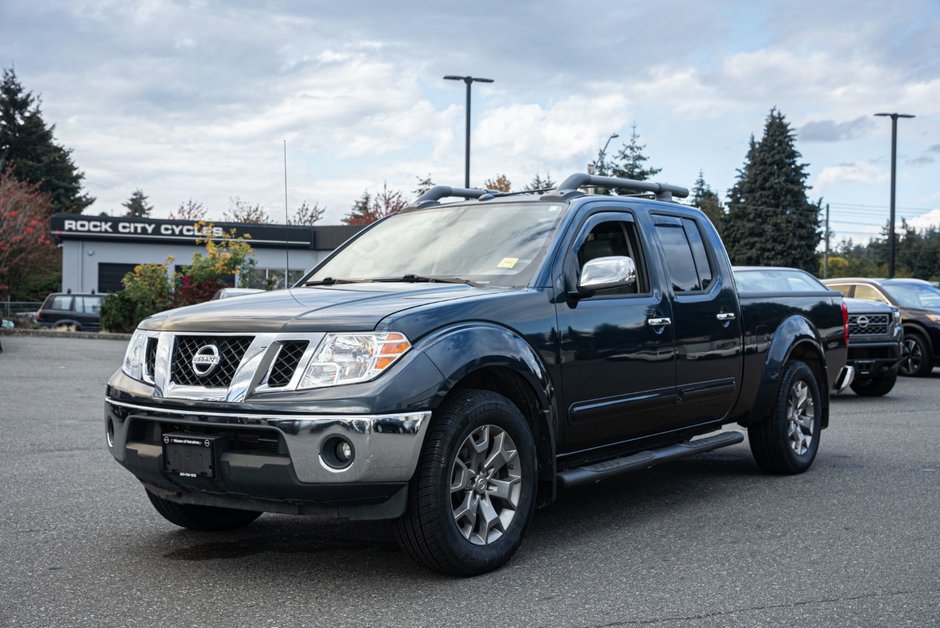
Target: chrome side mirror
{"x": 602, "y": 273}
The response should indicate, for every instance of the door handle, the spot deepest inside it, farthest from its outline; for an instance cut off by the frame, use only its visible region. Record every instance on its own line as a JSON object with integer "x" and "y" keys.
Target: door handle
{"x": 725, "y": 316}
{"x": 658, "y": 322}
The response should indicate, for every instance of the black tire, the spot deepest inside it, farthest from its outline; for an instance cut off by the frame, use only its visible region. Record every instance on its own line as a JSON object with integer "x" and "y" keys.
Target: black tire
{"x": 775, "y": 440}
{"x": 918, "y": 358}
{"x": 876, "y": 387}
{"x": 202, "y": 518}
{"x": 429, "y": 531}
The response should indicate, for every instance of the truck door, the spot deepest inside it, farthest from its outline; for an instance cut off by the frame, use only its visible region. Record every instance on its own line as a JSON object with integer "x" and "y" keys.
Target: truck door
{"x": 706, "y": 321}
{"x": 617, "y": 350}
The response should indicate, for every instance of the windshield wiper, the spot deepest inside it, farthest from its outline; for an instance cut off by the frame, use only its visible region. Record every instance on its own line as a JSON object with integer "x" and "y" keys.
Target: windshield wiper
{"x": 412, "y": 278}
{"x": 330, "y": 281}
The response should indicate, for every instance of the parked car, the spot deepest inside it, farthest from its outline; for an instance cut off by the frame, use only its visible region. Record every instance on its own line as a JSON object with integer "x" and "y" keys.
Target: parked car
{"x": 227, "y": 293}
{"x": 919, "y": 303}
{"x": 77, "y": 312}
{"x": 875, "y": 333}
{"x": 453, "y": 365}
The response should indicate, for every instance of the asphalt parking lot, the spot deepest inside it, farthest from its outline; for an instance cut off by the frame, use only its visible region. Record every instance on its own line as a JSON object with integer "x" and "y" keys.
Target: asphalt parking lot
{"x": 702, "y": 542}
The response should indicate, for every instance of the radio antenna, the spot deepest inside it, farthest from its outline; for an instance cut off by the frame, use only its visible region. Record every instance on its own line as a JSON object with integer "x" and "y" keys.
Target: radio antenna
{"x": 286, "y": 226}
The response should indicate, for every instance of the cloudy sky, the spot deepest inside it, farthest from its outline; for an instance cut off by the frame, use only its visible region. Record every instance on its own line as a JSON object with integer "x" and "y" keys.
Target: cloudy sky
{"x": 194, "y": 99}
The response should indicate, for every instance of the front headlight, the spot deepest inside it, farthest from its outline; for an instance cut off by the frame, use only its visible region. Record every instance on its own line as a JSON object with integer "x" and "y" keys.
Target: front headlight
{"x": 134, "y": 356}
{"x": 351, "y": 358}
{"x": 897, "y": 316}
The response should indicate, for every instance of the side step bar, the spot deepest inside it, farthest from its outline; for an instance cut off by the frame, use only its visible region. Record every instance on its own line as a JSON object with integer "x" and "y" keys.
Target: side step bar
{"x": 645, "y": 459}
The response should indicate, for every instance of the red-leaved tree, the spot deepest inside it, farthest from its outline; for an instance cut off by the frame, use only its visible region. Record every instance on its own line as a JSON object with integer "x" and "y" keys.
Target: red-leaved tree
{"x": 370, "y": 208}
{"x": 25, "y": 244}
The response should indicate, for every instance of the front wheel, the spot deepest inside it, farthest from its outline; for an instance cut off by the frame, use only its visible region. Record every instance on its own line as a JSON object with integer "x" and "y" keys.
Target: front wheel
{"x": 202, "y": 518}
{"x": 474, "y": 491}
{"x": 918, "y": 359}
{"x": 787, "y": 440}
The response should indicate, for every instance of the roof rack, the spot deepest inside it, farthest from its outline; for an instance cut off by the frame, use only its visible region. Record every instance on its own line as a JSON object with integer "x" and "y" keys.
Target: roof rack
{"x": 569, "y": 187}
{"x": 435, "y": 194}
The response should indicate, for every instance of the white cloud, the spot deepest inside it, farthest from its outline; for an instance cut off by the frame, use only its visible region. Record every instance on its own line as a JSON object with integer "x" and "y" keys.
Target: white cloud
{"x": 862, "y": 173}
{"x": 926, "y": 220}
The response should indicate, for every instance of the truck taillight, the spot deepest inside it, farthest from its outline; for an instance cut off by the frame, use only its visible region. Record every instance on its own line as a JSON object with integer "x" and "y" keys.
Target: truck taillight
{"x": 845, "y": 323}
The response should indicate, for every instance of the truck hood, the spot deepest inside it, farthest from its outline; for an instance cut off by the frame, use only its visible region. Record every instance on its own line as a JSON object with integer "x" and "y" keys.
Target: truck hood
{"x": 863, "y": 306}
{"x": 345, "y": 307}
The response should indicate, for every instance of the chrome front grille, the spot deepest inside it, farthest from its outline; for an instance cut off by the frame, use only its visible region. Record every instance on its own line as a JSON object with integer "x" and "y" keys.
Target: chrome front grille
{"x": 230, "y": 350}
{"x": 868, "y": 324}
{"x": 288, "y": 357}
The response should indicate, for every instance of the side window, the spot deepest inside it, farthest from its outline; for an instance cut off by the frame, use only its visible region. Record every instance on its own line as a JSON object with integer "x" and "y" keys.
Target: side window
{"x": 61, "y": 302}
{"x": 680, "y": 263}
{"x": 699, "y": 254}
{"x": 846, "y": 290}
{"x": 615, "y": 238}
{"x": 88, "y": 305}
{"x": 867, "y": 292}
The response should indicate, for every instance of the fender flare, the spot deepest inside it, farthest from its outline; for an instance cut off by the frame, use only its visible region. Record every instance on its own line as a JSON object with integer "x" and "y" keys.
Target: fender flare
{"x": 793, "y": 333}
{"x": 459, "y": 351}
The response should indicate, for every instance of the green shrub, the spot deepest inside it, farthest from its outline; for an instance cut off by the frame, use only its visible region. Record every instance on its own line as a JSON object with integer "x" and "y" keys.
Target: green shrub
{"x": 117, "y": 313}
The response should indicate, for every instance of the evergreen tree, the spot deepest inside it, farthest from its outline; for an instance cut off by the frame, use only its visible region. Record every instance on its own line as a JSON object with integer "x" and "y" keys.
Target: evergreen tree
{"x": 630, "y": 161}
{"x": 539, "y": 183}
{"x": 708, "y": 201}
{"x": 137, "y": 205}
{"x": 770, "y": 221}
{"x": 31, "y": 148}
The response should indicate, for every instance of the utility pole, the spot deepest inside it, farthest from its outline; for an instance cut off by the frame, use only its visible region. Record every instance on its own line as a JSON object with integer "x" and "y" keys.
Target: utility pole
{"x": 894, "y": 167}
{"x": 469, "y": 80}
{"x": 826, "y": 250}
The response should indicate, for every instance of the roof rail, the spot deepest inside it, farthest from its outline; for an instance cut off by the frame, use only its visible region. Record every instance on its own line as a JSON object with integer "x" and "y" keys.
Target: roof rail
{"x": 435, "y": 194}
{"x": 569, "y": 187}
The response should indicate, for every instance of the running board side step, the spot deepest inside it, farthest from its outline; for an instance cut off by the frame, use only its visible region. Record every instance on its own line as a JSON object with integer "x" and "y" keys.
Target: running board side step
{"x": 645, "y": 459}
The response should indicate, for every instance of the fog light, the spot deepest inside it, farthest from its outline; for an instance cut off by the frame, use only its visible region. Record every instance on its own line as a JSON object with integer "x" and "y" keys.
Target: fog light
{"x": 337, "y": 453}
{"x": 344, "y": 451}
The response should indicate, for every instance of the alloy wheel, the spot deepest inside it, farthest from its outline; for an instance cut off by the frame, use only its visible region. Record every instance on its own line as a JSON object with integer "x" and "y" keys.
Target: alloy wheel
{"x": 485, "y": 485}
{"x": 801, "y": 414}
{"x": 913, "y": 356}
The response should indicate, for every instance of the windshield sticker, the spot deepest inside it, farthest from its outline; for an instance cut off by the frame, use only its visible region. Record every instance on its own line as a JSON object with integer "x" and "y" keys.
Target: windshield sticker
{"x": 508, "y": 262}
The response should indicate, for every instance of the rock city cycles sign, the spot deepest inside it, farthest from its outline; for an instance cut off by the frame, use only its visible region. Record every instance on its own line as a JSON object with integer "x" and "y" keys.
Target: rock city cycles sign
{"x": 155, "y": 230}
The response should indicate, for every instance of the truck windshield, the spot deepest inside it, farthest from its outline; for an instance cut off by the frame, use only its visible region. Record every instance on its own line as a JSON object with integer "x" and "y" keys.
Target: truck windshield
{"x": 491, "y": 244}
{"x": 914, "y": 295}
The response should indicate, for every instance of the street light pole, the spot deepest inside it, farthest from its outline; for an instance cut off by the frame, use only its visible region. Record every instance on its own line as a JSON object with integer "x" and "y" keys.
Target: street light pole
{"x": 469, "y": 80}
{"x": 603, "y": 154}
{"x": 894, "y": 166}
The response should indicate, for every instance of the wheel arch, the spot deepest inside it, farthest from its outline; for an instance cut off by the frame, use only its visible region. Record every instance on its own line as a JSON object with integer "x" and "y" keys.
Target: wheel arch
{"x": 490, "y": 357}
{"x": 795, "y": 339}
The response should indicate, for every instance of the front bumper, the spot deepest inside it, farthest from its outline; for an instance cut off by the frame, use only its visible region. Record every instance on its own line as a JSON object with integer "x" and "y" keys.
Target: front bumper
{"x": 873, "y": 359}
{"x": 273, "y": 462}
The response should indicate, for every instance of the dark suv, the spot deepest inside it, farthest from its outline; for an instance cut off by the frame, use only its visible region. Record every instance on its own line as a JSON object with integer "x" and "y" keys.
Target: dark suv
{"x": 78, "y": 312}
{"x": 875, "y": 332}
{"x": 919, "y": 302}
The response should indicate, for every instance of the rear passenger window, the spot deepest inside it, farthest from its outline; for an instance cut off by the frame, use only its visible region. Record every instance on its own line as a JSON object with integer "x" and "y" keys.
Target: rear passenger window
{"x": 867, "y": 292}
{"x": 680, "y": 262}
{"x": 61, "y": 302}
{"x": 699, "y": 254}
{"x": 88, "y": 305}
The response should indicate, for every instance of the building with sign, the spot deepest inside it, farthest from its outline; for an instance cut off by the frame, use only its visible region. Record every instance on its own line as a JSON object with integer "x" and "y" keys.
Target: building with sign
{"x": 97, "y": 251}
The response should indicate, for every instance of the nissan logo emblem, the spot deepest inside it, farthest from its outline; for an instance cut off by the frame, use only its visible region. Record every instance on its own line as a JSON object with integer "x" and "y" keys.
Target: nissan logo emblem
{"x": 862, "y": 321}
{"x": 205, "y": 360}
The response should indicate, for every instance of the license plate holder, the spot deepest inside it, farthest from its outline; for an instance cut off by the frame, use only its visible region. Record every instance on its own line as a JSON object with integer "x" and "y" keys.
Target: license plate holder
{"x": 189, "y": 455}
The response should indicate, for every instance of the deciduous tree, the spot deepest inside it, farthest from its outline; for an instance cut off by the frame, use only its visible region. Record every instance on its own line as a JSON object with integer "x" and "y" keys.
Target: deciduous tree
{"x": 307, "y": 214}
{"x": 242, "y": 211}
{"x": 190, "y": 210}
{"x": 370, "y": 208}
{"x": 25, "y": 246}
{"x": 500, "y": 183}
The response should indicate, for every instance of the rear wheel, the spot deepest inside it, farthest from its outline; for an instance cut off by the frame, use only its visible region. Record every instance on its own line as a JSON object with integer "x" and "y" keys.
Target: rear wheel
{"x": 876, "y": 387}
{"x": 474, "y": 491}
{"x": 787, "y": 440}
{"x": 918, "y": 359}
{"x": 202, "y": 518}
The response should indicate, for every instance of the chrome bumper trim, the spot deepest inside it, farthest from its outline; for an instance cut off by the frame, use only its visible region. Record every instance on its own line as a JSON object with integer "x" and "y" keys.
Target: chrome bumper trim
{"x": 845, "y": 378}
{"x": 387, "y": 446}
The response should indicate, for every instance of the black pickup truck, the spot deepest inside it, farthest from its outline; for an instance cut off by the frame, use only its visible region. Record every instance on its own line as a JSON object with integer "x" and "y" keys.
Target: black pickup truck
{"x": 454, "y": 365}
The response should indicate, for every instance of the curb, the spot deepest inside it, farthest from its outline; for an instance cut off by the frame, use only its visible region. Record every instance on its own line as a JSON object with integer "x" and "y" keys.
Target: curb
{"x": 51, "y": 333}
